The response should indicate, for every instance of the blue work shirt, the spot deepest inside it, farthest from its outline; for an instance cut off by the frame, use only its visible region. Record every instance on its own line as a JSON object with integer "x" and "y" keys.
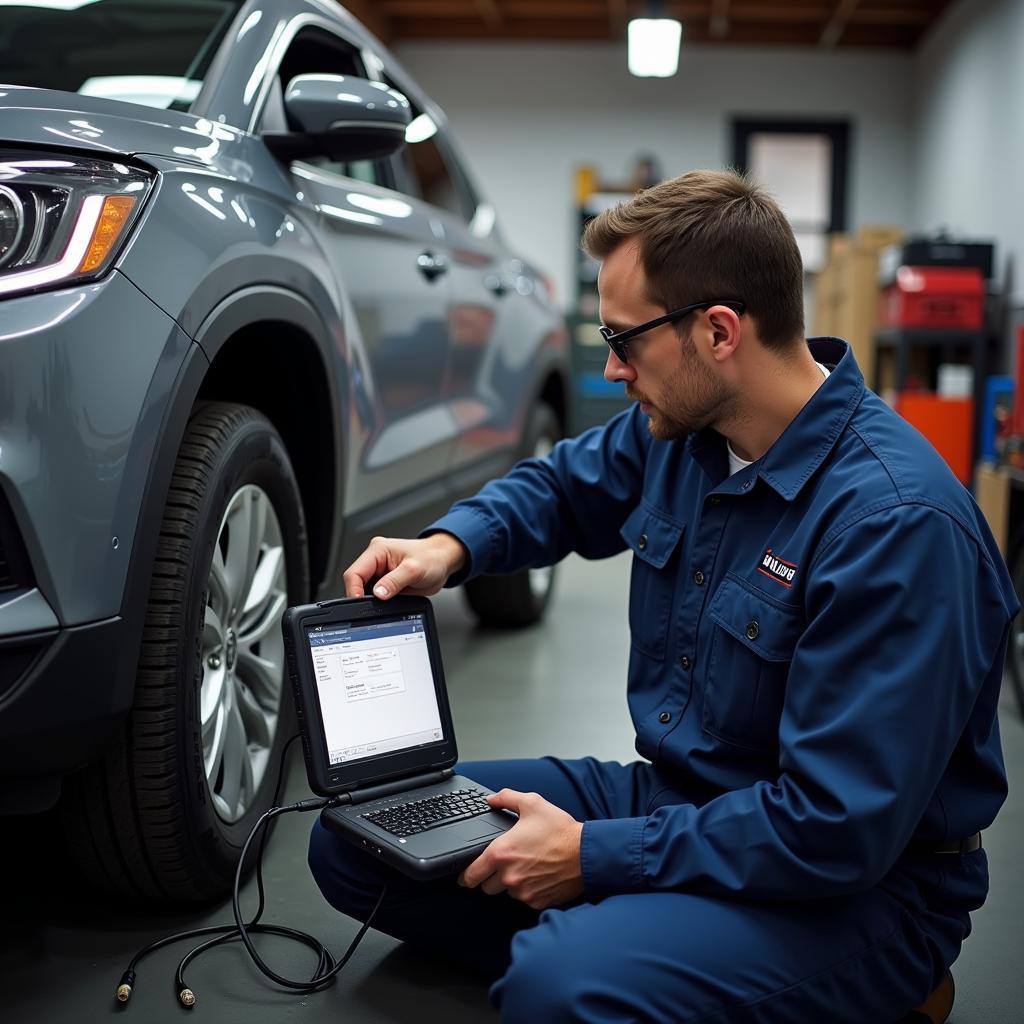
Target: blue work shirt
{"x": 817, "y": 640}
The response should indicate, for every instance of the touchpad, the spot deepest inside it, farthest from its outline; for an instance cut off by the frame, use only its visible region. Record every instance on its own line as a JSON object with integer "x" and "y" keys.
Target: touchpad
{"x": 477, "y": 830}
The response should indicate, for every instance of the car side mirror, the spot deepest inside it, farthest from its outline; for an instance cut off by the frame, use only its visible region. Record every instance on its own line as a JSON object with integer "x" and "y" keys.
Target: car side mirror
{"x": 340, "y": 116}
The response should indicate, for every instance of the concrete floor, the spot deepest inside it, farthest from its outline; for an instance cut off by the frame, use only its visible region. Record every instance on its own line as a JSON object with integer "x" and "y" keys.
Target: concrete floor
{"x": 558, "y": 688}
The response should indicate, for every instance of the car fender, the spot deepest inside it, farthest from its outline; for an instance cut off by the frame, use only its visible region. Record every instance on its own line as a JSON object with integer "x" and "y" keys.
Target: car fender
{"x": 244, "y": 308}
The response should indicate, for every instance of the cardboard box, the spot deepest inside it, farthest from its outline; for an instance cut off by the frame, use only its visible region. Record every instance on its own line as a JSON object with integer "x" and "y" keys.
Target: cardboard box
{"x": 825, "y": 302}
{"x": 992, "y": 492}
{"x": 846, "y": 291}
{"x": 839, "y": 244}
{"x": 875, "y": 237}
{"x": 857, "y": 307}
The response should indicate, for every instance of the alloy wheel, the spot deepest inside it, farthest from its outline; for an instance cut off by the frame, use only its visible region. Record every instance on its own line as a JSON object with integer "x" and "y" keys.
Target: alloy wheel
{"x": 242, "y": 651}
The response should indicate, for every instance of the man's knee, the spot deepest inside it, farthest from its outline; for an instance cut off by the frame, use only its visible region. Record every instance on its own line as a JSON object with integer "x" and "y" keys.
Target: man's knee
{"x": 347, "y": 877}
{"x": 558, "y": 975}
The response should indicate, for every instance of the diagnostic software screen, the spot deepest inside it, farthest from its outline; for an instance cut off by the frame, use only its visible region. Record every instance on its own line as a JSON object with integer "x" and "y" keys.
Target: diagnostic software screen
{"x": 375, "y": 686}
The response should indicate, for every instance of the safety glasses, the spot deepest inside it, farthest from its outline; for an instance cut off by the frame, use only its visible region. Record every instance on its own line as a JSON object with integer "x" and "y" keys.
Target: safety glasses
{"x": 617, "y": 342}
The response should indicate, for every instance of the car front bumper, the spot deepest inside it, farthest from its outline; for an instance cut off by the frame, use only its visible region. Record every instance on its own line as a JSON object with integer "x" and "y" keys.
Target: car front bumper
{"x": 86, "y": 374}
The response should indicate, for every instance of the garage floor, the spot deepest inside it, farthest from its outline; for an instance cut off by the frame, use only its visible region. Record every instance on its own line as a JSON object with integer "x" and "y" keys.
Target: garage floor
{"x": 556, "y": 689}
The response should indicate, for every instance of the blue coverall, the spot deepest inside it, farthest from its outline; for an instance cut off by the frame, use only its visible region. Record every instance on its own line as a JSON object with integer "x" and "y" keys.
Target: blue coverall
{"x": 817, "y": 651}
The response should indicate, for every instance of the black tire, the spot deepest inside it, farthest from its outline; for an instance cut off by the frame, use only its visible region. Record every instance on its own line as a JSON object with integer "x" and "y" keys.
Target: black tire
{"x": 520, "y": 598}
{"x": 1015, "y": 647}
{"x": 144, "y": 822}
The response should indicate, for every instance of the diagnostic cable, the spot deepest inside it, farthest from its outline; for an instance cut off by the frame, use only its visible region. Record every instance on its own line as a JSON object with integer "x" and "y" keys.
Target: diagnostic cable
{"x": 327, "y": 968}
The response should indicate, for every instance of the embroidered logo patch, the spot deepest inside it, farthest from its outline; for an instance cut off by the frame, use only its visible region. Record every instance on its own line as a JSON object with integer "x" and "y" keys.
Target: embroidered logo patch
{"x": 777, "y": 569}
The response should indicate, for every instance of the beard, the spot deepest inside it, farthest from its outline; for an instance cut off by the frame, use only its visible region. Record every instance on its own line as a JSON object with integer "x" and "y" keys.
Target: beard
{"x": 692, "y": 399}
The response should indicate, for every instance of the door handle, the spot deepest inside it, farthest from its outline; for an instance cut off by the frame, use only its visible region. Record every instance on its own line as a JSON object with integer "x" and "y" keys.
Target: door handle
{"x": 496, "y": 284}
{"x": 431, "y": 265}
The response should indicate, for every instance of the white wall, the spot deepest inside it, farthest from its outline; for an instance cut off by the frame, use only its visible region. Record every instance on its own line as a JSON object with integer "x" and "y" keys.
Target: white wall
{"x": 526, "y": 115}
{"x": 968, "y": 159}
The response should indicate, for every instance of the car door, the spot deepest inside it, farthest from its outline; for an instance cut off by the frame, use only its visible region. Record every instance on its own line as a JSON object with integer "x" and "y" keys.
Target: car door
{"x": 481, "y": 290}
{"x": 390, "y": 259}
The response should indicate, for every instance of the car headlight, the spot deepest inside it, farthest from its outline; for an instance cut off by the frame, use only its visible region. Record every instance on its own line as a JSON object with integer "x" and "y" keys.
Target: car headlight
{"x": 63, "y": 218}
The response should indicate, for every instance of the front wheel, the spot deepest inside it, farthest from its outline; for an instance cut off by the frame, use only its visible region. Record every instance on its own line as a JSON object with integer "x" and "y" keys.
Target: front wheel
{"x": 520, "y": 598}
{"x": 166, "y": 812}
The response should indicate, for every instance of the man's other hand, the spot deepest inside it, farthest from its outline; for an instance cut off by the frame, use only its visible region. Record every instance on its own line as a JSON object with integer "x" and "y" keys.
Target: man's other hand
{"x": 537, "y": 861}
{"x": 418, "y": 567}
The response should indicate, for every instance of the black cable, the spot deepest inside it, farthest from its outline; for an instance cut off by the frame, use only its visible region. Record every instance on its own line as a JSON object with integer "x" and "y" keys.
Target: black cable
{"x": 326, "y": 969}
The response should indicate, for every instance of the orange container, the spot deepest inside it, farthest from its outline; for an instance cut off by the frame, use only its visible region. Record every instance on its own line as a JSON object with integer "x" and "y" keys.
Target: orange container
{"x": 947, "y": 422}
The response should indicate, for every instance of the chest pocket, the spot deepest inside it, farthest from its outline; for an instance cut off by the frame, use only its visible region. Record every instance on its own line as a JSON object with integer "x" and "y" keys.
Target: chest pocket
{"x": 653, "y": 540}
{"x": 748, "y": 664}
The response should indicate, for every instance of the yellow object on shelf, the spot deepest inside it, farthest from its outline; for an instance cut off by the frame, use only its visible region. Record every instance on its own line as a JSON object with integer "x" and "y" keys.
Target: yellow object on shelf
{"x": 586, "y": 183}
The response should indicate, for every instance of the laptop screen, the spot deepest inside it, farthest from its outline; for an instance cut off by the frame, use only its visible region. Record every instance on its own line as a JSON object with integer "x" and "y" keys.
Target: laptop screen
{"x": 375, "y": 687}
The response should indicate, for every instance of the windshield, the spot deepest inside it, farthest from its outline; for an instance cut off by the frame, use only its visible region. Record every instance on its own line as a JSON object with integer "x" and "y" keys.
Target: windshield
{"x": 153, "y": 52}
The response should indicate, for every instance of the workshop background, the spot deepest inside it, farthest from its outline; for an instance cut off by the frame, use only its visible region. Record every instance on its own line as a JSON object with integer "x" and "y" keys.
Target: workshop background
{"x": 890, "y": 131}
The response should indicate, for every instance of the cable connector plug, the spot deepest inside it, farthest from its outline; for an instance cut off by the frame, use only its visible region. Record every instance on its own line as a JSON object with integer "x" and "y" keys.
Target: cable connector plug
{"x": 124, "y": 987}
{"x": 187, "y": 998}
{"x": 315, "y": 803}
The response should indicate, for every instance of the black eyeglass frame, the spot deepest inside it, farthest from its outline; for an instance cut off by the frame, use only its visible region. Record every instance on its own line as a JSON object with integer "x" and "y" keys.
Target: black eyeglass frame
{"x": 617, "y": 342}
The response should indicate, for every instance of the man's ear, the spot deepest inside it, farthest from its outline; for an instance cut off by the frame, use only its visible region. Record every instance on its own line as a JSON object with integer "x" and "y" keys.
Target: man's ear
{"x": 724, "y": 327}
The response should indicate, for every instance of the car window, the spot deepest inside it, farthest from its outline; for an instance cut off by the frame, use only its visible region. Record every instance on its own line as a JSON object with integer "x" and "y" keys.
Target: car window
{"x": 316, "y": 52}
{"x": 425, "y": 170}
{"x": 153, "y": 52}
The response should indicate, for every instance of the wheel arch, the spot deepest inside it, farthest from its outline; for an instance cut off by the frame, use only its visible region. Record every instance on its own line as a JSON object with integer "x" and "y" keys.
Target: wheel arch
{"x": 226, "y": 364}
{"x": 275, "y": 358}
{"x": 554, "y": 391}
{"x": 551, "y": 380}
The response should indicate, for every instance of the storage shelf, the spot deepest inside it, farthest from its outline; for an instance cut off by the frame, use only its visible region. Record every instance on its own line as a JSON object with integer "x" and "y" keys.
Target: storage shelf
{"x": 902, "y": 341}
{"x": 893, "y": 337}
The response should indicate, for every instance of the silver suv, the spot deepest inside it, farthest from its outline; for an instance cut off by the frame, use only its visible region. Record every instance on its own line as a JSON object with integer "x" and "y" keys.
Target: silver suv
{"x": 252, "y": 312}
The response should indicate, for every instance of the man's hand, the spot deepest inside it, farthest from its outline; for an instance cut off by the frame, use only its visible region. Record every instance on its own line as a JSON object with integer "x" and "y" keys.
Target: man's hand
{"x": 418, "y": 567}
{"x": 537, "y": 861}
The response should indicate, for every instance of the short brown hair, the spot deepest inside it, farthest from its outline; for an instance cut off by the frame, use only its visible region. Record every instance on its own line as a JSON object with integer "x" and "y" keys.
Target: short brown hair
{"x": 712, "y": 235}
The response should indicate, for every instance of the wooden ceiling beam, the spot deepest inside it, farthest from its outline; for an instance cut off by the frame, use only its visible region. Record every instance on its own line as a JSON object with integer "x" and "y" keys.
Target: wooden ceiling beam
{"x": 520, "y": 30}
{"x": 618, "y": 16}
{"x": 370, "y": 15}
{"x": 837, "y": 23}
{"x": 718, "y": 24}
{"x": 619, "y": 12}
{"x": 425, "y": 30}
{"x": 422, "y": 9}
{"x": 822, "y": 23}
{"x": 899, "y": 16}
{"x": 490, "y": 13}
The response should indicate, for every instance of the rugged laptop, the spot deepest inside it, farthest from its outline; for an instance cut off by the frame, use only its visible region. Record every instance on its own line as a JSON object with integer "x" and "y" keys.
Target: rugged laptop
{"x": 377, "y": 732}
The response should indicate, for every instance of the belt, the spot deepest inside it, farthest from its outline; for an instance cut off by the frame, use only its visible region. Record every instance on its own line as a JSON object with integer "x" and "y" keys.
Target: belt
{"x": 968, "y": 845}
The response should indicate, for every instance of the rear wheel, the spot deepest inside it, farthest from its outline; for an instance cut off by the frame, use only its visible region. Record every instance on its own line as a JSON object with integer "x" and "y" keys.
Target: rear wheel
{"x": 520, "y": 598}
{"x": 166, "y": 812}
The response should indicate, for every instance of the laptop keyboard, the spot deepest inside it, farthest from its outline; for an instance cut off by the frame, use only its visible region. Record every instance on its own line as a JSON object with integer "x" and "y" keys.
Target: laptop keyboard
{"x": 409, "y": 819}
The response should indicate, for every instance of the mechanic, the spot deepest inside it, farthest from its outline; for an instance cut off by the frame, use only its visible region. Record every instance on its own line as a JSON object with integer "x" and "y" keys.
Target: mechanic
{"x": 818, "y": 616}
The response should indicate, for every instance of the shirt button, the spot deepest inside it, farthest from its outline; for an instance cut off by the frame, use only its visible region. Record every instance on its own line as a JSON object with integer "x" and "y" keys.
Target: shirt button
{"x": 698, "y": 578}
{"x": 642, "y": 542}
{"x": 685, "y": 661}
{"x": 745, "y": 486}
{"x": 753, "y": 630}
{"x": 664, "y": 718}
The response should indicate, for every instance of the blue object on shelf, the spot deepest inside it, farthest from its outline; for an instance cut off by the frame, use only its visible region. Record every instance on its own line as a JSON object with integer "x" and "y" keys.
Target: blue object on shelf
{"x": 995, "y": 389}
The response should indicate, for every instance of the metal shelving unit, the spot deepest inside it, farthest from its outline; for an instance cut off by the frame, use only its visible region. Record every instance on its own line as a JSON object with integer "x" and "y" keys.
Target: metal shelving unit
{"x": 942, "y": 346}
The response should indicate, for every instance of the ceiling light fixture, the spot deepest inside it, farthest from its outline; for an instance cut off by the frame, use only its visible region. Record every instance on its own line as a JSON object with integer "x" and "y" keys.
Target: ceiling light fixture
{"x": 654, "y": 45}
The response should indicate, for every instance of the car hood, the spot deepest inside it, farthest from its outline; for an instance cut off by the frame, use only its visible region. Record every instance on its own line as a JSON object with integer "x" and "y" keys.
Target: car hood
{"x": 46, "y": 117}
